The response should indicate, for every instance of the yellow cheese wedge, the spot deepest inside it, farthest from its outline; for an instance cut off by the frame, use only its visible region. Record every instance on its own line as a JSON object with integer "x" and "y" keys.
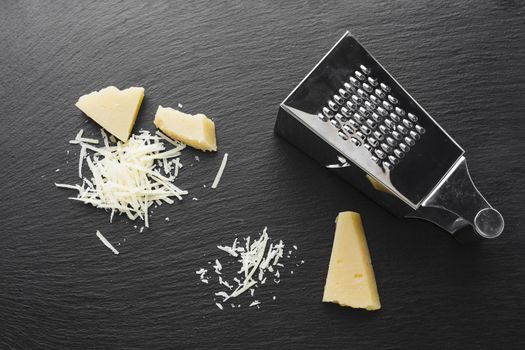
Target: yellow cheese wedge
{"x": 113, "y": 109}
{"x": 197, "y": 131}
{"x": 350, "y": 280}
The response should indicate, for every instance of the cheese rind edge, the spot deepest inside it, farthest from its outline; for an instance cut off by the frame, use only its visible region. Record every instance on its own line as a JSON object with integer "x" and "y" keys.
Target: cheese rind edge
{"x": 350, "y": 280}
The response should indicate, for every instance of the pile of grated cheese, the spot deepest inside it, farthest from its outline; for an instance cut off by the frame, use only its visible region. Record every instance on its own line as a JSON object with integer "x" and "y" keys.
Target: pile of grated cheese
{"x": 258, "y": 260}
{"x": 128, "y": 178}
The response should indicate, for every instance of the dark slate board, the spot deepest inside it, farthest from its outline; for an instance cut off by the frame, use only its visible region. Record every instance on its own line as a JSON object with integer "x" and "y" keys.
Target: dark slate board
{"x": 60, "y": 288}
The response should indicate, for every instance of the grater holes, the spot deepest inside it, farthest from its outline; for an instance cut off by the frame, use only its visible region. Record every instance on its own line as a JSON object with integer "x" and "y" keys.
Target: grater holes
{"x": 353, "y": 124}
{"x": 369, "y": 105}
{"x": 348, "y": 129}
{"x": 384, "y": 129}
{"x": 379, "y": 153}
{"x": 397, "y": 135}
{"x": 342, "y": 135}
{"x": 328, "y": 113}
{"x": 355, "y": 141}
{"x": 402, "y": 129}
{"x": 372, "y": 141}
{"x": 335, "y": 123}
{"x": 393, "y": 160}
{"x": 387, "y": 105}
{"x": 362, "y": 94}
{"x": 375, "y": 117}
{"x": 379, "y": 93}
{"x": 414, "y": 135}
{"x": 351, "y": 105}
{"x": 365, "y": 69}
{"x": 322, "y": 117}
{"x": 358, "y": 117}
{"x": 393, "y": 100}
{"x": 339, "y": 117}
{"x": 365, "y": 130}
{"x": 367, "y": 88}
{"x": 359, "y": 75}
{"x": 372, "y": 81}
{"x": 375, "y": 159}
{"x": 343, "y": 93}
{"x": 386, "y": 148}
{"x": 378, "y": 135}
{"x": 338, "y": 99}
{"x": 382, "y": 111}
{"x": 400, "y": 111}
{"x": 357, "y": 99}
{"x": 390, "y": 124}
{"x": 366, "y": 112}
{"x": 409, "y": 141}
{"x": 412, "y": 117}
{"x": 388, "y": 166}
{"x": 404, "y": 147}
{"x": 346, "y": 112}
{"x": 407, "y": 123}
{"x": 349, "y": 88}
{"x": 391, "y": 141}
{"x": 399, "y": 154}
{"x": 375, "y": 99}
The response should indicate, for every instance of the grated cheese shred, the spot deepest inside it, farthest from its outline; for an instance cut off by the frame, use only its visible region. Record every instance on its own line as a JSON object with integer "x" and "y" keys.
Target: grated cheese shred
{"x": 128, "y": 178}
{"x": 106, "y": 243}
{"x": 257, "y": 259}
{"x": 221, "y": 170}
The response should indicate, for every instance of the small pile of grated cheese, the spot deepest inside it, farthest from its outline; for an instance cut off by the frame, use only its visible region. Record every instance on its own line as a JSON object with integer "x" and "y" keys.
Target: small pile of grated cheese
{"x": 257, "y": 258}
{"x": 127, "y": 178}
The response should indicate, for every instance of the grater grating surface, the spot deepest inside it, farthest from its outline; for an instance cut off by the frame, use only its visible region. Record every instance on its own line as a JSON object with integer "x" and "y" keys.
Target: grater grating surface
{"x": 352, "y": 116}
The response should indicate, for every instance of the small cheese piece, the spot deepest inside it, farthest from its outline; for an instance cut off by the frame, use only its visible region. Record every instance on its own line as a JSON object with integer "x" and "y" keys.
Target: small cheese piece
{"x": 350, "y": 280}
{"x": 113, "y": 109}
{"x": 197, "y": 131}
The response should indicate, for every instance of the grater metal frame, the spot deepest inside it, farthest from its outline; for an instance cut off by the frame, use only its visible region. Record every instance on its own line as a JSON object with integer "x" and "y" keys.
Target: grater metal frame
{"x": 438, "y": 188}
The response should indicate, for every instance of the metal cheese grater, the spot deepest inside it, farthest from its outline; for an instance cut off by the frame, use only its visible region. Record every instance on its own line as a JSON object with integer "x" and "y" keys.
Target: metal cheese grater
{"x": 354, "y": 118}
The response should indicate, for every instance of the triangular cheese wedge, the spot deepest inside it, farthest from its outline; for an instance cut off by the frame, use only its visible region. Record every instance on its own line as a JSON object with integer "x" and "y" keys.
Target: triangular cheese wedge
{"x": 113, "y": 109}
{"x": 197, "y": 131}
{"x": 350, "y": 280}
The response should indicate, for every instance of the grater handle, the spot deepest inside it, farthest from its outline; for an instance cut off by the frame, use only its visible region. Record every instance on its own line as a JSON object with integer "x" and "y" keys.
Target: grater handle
{"x": 457, "y": 194}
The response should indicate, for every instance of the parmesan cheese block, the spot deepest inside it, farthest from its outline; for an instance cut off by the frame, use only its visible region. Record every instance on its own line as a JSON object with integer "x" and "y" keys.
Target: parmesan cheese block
{"x": 350, "y": 280}
{"x": 197, "y": 131}
{"x": 113, "y": 109}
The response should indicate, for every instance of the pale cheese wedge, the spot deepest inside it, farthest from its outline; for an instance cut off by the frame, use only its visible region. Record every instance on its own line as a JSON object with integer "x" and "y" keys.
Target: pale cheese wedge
{"x": 197, "y": 131}
{"x": 351, "y": 280}
{"x": 113, "y": 109}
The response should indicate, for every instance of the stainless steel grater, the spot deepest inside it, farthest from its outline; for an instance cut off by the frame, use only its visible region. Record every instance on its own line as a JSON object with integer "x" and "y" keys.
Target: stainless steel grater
{"x": 354, "y": 118}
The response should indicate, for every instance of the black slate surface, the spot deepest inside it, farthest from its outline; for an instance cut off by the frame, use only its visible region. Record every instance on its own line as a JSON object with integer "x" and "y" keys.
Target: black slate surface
{"x": 235, "y": 61}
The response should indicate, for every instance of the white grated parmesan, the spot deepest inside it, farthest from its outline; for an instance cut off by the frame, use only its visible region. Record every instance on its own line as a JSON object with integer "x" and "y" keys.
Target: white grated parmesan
{"x": 127, "y": 178}
{"x": 221, "y": 170}
{"x": 106, "y": 242}
{"x": 256, "y": 258}
{"x": 255, "y": 303}
{"x": 217, "y": 267}
{"x": 219, "y": 306}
